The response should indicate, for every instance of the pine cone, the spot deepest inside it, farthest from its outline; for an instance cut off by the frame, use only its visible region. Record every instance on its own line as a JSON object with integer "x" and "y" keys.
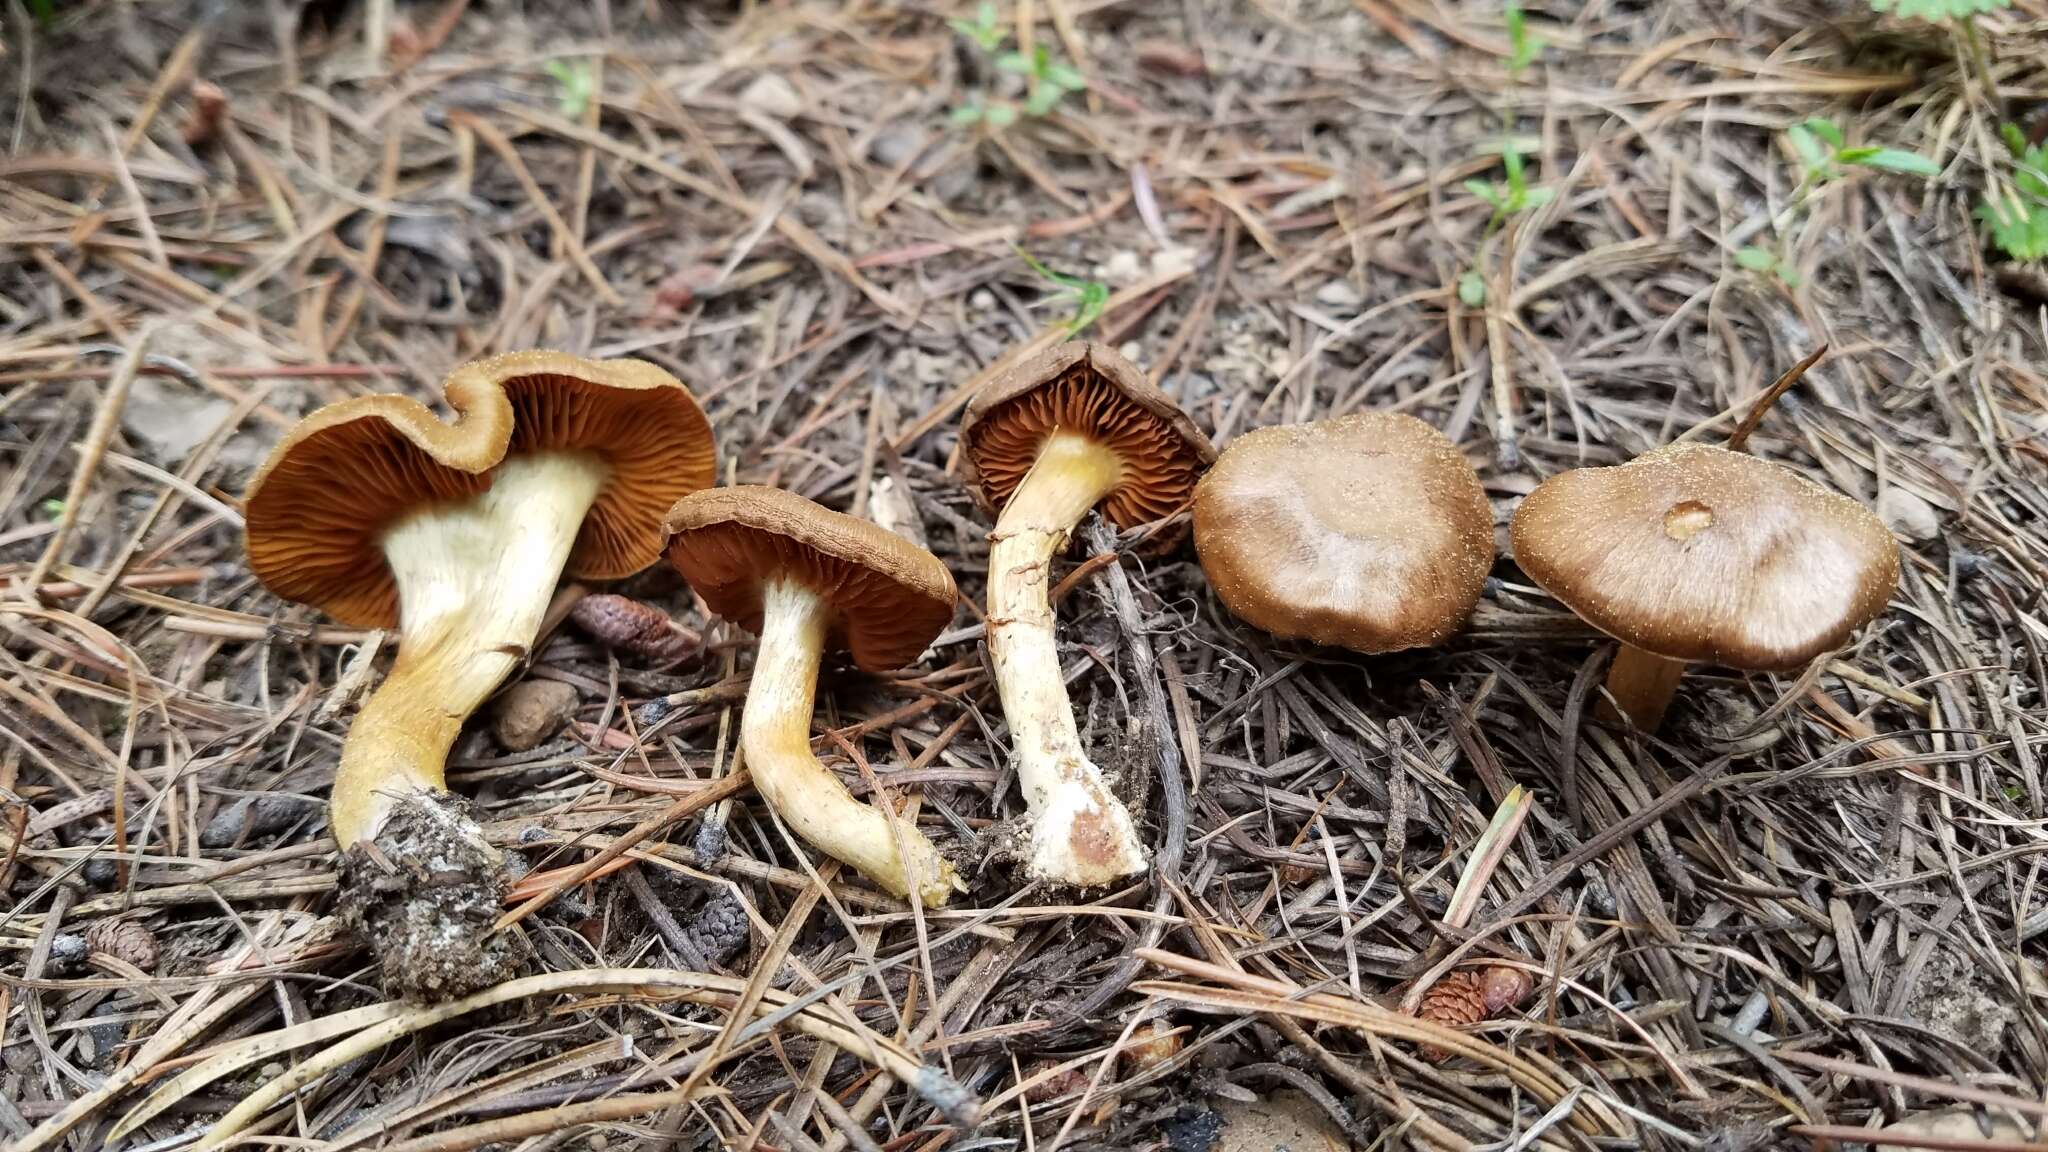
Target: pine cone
{"x": 631, "y": 626}
{"x": 125, "y": 940}
{"x": 1468, "y": 996}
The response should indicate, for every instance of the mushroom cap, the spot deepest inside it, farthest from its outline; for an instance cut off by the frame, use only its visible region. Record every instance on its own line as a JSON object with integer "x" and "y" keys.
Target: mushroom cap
{"x": 1697, "y": 553}
{"x": 1088, "y": 389}
{"x": 318, "y": 508}
{"x": 889, "y": 597}
{"x": 1368, "y": 531}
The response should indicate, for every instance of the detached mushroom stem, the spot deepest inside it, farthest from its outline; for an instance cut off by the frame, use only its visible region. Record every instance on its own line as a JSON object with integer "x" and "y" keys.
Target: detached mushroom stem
{"x": 1081, "y": 834}
{"x": 1642, "y": 685}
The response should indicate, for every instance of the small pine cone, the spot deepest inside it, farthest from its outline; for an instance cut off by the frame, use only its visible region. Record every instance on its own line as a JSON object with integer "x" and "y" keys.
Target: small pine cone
{"x": 1466, "y": 997}
{"x": 1155, "y": 1043}
{"x": 126, "y": 940}
{"x": 627, "y": 624}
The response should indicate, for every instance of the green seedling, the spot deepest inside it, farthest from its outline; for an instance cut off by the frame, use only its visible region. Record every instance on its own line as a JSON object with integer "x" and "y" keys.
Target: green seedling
{"x": 1472, "y": 289}
{"x": 1764, "y": 260}
{"x": 1523, "y": 49}
{"x": 1938, "y": 11}
{"x": 52, "y": 508}
{"x": 1514, "y": 195}
{"x": 575, "y": 86}
{"x": 1825, "y": 157}
{"x": 985, "y": 30}
{"x": 1089, "y": 297}
{"x": 1050, "y": 79}
{"x": 2018, "y": 220}
{"x": 999, "y": 114}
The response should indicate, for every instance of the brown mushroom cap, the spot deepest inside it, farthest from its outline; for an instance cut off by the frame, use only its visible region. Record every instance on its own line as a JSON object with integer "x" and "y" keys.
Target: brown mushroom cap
{"x": 1697, "y": 553}
{"x": 889, "y": 597}
{"x": 317, "y": 510}
{"x": 1369, "y": 532}
{"x": 1088, "y": 389}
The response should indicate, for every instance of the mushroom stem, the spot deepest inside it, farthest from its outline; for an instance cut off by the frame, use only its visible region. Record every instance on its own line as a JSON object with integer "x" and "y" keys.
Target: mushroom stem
{"x": 775, "y": 735}
{"x": 1081, "y": 834}
{"x": 474, "y": 577}
{"x": 1642, "y": 684}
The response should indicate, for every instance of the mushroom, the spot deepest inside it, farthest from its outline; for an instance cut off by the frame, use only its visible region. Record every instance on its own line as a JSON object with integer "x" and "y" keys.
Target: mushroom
{"x": 382, "y": 515}
{"x": 1368, "y": 531}
{"x": 1043, "y": 443}
{"x": 1696, "y": 554}
{"x": 804, "y": 578}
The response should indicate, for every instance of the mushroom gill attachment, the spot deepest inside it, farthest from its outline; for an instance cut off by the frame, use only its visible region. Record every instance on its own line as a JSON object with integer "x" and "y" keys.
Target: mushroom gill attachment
{"x": 1057, "y": 435}
{"x": 1368, "y": 532}
{"x": 804, "y": 578}
{"x": 455, "y": 533}
{"x": 1696, "y": 554}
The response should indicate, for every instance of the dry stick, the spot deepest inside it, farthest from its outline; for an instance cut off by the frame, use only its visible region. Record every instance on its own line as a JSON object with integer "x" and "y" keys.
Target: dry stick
{"x": 102, "y": 432}
{"x": 1763, "y": 403}
{"x": 578, "y": 255}
{"x": 1821, "y": 1134}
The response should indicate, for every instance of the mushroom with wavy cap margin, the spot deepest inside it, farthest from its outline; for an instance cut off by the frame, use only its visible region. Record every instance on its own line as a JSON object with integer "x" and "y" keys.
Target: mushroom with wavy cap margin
{"x": 383, "y": 515}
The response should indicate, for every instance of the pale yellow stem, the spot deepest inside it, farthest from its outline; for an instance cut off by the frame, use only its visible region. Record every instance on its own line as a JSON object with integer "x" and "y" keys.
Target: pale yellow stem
{"x": 775, "y": 733}
{"x": 1081, "y": 834}
{"x": 1642, "y": 684}
{"x": 474, "y": 578}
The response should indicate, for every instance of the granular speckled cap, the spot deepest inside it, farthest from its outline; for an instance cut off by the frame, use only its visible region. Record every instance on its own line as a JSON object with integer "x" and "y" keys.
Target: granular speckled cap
{"x": 1701, "y": 554}
{"x": 1368, "y": 531}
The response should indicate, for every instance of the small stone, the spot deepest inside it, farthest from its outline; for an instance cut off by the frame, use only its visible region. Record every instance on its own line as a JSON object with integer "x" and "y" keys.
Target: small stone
{"x": 531, "y": 711}
{"x": 1131, "y": 350}
{"x": 897, "y": 145}
{"x": 67, "y": 952}
{"x": 1175, "y": 261}
{"x": 1339, "y": 294}
{"x": 772, "y": 94}
{"x": 982, "y": 300}
{"x": 1123, "y": 267}
{"x": 1908, "y": 515}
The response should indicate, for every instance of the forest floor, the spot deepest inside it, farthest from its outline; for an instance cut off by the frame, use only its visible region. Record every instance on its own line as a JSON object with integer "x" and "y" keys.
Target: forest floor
{"x": 1813, "y": 903}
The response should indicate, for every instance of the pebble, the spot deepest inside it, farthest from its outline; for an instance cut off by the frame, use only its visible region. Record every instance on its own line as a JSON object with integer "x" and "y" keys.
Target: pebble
{"x": 1339, "y": 294}
{"x": 897, "y": 145}
{"x": 772, "y": 94}
{"x": 982, "y": 300}
{"x": 531, "y": 711}
{"x": 1905, "y": 513}
{"x": 1132, "y": 351}
{"x": 1123, "y": 267}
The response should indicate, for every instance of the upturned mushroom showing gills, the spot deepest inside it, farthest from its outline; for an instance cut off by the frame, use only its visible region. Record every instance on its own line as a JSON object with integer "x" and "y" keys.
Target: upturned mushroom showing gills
{"x": 383, "y": 515}
{"x": 804, "y": 579}
{"x": 1368, "y": 532}
{"x": 1057, "y": 435}
{"x": 1696, "y": 554}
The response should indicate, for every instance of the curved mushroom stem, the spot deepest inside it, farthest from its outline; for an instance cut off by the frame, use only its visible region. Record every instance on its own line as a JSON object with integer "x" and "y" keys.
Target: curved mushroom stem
{"x": 1080, "y": 833}
{"x": 474, "y": 578}
{"x": 775, "y": 735}
{"x": 1642, "y": 684}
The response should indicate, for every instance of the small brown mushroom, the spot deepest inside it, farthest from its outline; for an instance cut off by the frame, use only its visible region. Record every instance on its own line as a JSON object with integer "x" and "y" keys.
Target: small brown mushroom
{"x": 1696, "y": 554}
{"x": 803, "y": 578}
{"x": 1042, "y": 444}
{"x": 1368, "y": 531}
{"x": 383, "y": 515}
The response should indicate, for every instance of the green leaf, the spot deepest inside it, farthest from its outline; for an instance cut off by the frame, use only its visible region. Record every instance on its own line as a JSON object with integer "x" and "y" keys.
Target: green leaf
{"x": 2019, "y": 229}
{"x": 1491, "y": 193}
{"x": 966, "y": 114}
{"x": 1936, "y": 11}
{"x": 1094, "y": 302}
{"x": 1787, "y": 273}
{"x": 1472, "y": 288}
{"x": 1824, "y": 128}
{"x": 1014, "y": 62}
{"x": 1756, "y": 259}
{"x": 1807, "y": 148}
{"x": 1043, "y": 100}
{"x": 1538, "y": 197}
{"x": 575, "y": 84}
{"x": 2014, "y": 138}
{"x": 1894, "y": 160}
{"x": 1065, "y": 77}
{"x": 1522, "y": 47}
{"x": 1000, "y": 115}
{"x": 1511, "y": 159}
